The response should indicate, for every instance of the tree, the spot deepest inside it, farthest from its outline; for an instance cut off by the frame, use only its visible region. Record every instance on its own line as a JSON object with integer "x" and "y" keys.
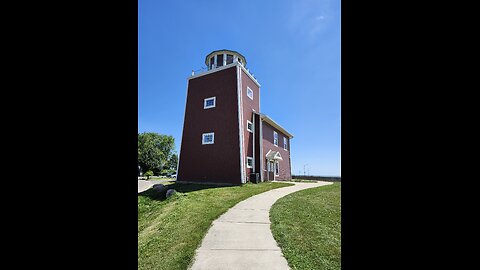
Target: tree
{"x": 154, "y": 151}
{"x": 173, "y": 162}
{"x": 171, "y": 166}
{"x": 149, "y": 174}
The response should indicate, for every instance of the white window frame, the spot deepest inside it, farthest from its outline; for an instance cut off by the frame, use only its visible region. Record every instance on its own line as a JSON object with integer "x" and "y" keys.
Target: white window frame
{"x": 206, "y": 134}
{"x": 277, "y": 168}
{"x": 248, "y": 91}
{"x": 249, "y": 166}
{"x": 285, "y": 143}
{"x": 205, "y": 102}
{"x": 250, "y": 130}
{"x": 275, "y": 140}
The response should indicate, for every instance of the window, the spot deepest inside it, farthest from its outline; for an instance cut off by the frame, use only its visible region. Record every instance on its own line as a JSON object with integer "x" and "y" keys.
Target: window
{"x": 209, "y": 103}
{"x": 212, "y": 60}
{"x": 250, "y": 93}
{"x": 277, "y": 169}
{"x": 219, "y": 60}
{"x": 275, "y": 138}
{"x": 284, "y": 143}
{"x": 208, "y": 138}
{"x": 250, "y": 126}
{"x": 229, "y": 59}
{"x": 249, "y": 162}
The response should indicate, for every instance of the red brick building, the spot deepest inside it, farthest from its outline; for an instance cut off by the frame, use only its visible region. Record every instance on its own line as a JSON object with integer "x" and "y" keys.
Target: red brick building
{"x": 225, "y": 138}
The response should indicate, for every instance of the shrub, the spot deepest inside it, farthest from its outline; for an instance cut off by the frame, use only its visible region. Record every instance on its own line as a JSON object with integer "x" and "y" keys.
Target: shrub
{"x": 148, "y": 174}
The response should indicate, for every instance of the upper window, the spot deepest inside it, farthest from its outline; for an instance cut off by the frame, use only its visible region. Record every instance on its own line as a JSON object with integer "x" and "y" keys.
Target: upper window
{"x": 219, "y": 60}
{"x": 249, "y": 162}
{"x": 229, "y": 59}
{"x": 212, "y": 60}
{"x": 208, "y": 138}
{"x": 284, "y": 143}
{"x": 249, "y": 93}
{"x": 275, "y": 138}
{"x": 249, "y": 126}
{"x": 209, "y": 103}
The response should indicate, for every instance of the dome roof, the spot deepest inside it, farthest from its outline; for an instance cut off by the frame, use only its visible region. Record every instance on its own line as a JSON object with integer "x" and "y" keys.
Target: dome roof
{"x": 244, "y": 61}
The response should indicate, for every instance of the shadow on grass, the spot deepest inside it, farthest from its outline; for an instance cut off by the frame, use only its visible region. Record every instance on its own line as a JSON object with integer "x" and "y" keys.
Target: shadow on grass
{"x": 179, "y": 187}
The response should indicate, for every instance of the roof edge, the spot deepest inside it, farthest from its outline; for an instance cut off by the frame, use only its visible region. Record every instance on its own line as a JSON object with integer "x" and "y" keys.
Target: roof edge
{"x": 275, "y": 124}
{"x": 225, "y": 50}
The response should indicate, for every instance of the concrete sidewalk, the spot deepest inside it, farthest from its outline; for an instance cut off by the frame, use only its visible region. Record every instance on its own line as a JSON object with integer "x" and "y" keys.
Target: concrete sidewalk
{"x": 241, "y": 238}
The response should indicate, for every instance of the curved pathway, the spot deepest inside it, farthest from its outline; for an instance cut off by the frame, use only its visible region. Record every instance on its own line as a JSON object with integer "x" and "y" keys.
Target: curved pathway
{"x": 144, "y": 184}
{"x": 241, "y": 238}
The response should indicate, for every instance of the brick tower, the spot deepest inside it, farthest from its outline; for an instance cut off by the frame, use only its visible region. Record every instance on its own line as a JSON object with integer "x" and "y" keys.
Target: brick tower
{"x": 222, "y": 140}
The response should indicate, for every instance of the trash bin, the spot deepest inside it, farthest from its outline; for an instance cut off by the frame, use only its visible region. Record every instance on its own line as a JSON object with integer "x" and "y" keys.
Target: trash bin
{"x": 255, "y": 178}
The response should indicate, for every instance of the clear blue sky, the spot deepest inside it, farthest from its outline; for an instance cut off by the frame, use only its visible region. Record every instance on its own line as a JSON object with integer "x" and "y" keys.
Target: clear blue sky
{"x": 291, "y": 46}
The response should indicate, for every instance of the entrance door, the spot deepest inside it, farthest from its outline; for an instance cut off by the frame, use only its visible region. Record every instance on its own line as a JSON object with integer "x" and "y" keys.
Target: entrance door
{"x": 271, "y": 170}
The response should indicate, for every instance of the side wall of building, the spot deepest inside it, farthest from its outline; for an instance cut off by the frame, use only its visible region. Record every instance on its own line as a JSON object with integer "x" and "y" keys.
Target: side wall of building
{"x": 285, "y": 172}
{"x": 218, "y": 162}
{"x": 249, "y": 106}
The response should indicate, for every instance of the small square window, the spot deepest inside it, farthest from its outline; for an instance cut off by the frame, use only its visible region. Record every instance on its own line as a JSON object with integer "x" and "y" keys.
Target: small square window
{"x": 209, "y": 103}
{"x": 250, "y": 126}
{"x": 249, "y": 162}
{"x": 208, "y": 138}
{"x": 250, "y": 93}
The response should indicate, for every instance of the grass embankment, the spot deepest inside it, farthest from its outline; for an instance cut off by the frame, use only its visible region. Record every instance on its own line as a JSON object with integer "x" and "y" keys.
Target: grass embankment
{"x": 306, "y": 225}
{"x": 169, "y": 231}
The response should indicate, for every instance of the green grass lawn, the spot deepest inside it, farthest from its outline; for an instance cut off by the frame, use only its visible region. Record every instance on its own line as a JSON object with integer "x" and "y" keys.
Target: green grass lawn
{"x": 306, "y": 225}
{"x": 169, "y": 231}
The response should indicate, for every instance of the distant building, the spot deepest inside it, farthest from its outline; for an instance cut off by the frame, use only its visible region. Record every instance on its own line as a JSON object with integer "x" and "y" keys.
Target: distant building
{"x": 225, "y": 137}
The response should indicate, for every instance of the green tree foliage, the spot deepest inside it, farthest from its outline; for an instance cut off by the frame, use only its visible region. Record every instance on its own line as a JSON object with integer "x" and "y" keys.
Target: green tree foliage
{"x": 149, "y": 174}
{"x": 172, "y": 162}
{"x": 155, "y": 151}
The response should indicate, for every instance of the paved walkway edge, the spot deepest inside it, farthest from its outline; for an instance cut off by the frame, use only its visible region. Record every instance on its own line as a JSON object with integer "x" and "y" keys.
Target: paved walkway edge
{"x": 241, "y": 237}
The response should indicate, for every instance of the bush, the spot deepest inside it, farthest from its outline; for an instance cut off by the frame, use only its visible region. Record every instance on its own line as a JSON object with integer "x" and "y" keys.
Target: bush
{"x": 148, "y": 174}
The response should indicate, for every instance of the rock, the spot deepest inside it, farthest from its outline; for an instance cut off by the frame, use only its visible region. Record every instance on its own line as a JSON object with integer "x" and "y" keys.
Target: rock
{"x": 159, "y": 188}
{"x": 170, "y": 192}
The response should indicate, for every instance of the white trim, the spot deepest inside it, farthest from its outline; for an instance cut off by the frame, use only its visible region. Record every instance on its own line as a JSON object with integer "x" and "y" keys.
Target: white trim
{"x": 250, "y": 130}
{"x": 224, "y": 59}
{"x": 249, "y": 75}
{"x": 203, "y": 138}
{"x": 248, "y": 91}
{"x": 285, "y": 143}
{"x": 275, "y": 133}
{"x": 181, "y": 136}
{"x": 262, "y": 159}
{"x": 215, "y": 62}
{"x": 205, "y": 102}
{"x": 274, "y": 124}
{"x": 253, "y": 133}
{"x": 228, "y": 52}
{"x": 210, "y": 71}
{"x": 240, "y": 125}
{"x": 215, "y": 69}
{"x": 249, "y": 158}
{"x": 276, "y": 167}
